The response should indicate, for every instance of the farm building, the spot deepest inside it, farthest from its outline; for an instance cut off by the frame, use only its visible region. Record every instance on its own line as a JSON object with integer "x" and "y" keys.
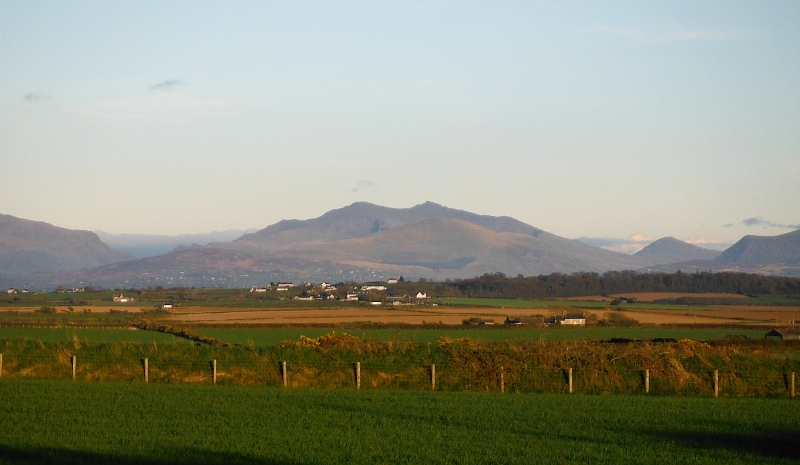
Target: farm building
{"x": 577, "y": 319}
{"x": 574, "y": 319}
{"x": 786, "y": 334}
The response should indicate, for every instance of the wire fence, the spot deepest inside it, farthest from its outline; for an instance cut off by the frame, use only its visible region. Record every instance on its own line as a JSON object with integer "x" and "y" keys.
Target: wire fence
{"x": 267, "y": 370}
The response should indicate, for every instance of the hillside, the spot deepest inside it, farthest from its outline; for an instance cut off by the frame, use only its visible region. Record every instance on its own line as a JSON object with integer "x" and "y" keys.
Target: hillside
{"x": 670, "y": 250}
{"x": 764, "y": 250}
{"x": 195, "y": 266}
{"x": 33, "y": 246}
{"x": 443, "y": 248}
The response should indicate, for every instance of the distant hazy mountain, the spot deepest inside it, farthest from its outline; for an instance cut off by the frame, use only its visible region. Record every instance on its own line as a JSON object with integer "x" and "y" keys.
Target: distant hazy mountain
{"x": 430, "y": 240}
{"x": 149, "y": 245}
{"x": 670, "y": 250}
{"x": 362, "y": 219}
{"x": 33, "y": 246}
{"x": 764, "y": 250}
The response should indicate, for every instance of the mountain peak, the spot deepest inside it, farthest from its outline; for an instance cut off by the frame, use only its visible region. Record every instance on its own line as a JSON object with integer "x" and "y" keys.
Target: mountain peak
{"x": 670, "y": 250}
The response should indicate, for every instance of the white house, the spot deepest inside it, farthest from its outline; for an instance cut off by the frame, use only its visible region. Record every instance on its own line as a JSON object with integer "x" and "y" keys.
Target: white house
{"x": 372, "y": 288}
{"x": 122, "y": 299}
{"x": 351, "y": 297}
{"x": 11, "y": 290}
{"x": 422, "y": 295}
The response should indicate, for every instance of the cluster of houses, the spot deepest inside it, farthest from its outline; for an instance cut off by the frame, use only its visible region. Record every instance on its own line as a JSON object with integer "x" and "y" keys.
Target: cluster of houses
{"x": 12, "y": 290}
{"x": 328, "y": 291}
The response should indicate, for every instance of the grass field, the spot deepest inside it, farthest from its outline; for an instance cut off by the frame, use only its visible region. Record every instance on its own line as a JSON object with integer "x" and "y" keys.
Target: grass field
{"x": 62, "y": 422}
{"x": 93, "y": 335}
{"x": 265, "y": 337}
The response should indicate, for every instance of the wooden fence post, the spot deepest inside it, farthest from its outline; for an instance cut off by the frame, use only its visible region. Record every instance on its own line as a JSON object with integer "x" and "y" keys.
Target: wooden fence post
{"x": 1, "y": 361}
{"x": 716, "y": 383}
{"x": 433, "y": 375}
{"x": 647, "y": 381}
{"x": 283, "y": 374}
{"x": 569, "y": 374}
{"x": 358, "y": 375}
{"x": 214, "y": 371}
{"x": 74, "y": 366}
{"x": 502, "y": 379}
{"x": 1, "y": 365}
{"x": 146, "y": 370}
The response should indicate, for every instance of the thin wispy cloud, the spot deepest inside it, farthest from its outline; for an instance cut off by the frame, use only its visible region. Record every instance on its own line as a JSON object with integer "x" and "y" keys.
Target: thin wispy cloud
{"x": 669, "y": 35}
{"x": 760, "y": 221}
{"x": 363, "y": 184}
{"x": 630, "y": 245}
{"x": 172, "y": 107}
{"x": 168, "y": 85}
{"x": 37, "y": 97}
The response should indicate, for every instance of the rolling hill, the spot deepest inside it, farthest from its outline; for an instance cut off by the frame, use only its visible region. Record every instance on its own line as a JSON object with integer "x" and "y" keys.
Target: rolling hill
{"x": 33, "y": 246}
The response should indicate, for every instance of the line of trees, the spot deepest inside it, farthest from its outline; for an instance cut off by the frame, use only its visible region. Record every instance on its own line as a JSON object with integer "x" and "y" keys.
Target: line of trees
{"x": 498, "y": 285}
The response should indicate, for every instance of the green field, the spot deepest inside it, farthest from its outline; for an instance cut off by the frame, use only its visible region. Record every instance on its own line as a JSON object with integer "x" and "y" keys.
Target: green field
{"x": 62, "y": 422}
{"x": 90, "y": 334}
{"x": 265, "y": 337}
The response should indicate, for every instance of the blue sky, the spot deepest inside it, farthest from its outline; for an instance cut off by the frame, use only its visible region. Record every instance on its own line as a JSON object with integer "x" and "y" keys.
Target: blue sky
{"x": 586, "y": 119}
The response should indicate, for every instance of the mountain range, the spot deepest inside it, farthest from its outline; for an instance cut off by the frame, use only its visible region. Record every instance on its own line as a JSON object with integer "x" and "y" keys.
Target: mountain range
{"x": 359, "y": 242}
